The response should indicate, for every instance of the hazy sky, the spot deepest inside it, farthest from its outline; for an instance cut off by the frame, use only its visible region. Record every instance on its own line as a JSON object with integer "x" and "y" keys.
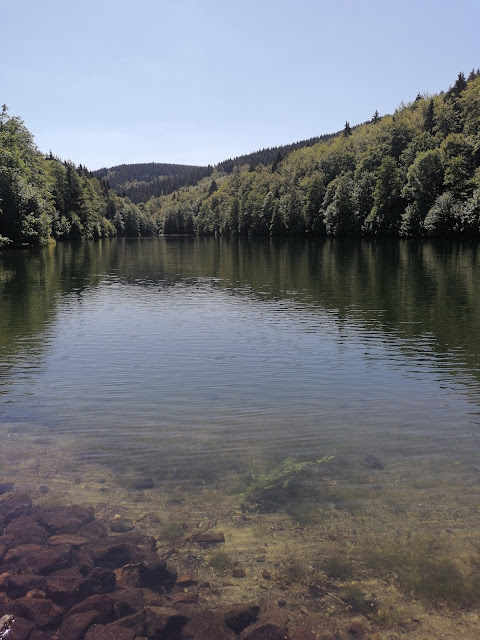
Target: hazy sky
{"x": 107, "y": 82}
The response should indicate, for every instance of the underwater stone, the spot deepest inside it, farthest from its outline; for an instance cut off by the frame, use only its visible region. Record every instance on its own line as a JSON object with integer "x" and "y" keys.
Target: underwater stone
{"x": 241, "y": 616}
{"x": 40, "y": 610}
{"x": 74, "y": 627}
{"x": 21, "y": 629}
{"x": 207, "y": 625}
{"x": 68, "y": 538}
{"x": 59, "y": 520}
{"x": 111, "y": 632}
{"x": 13, "y": 507}
{"x": 271, "y": 626}
{"x": 210, "y": 538}
{"x": 103, "y": 580}
{"x": 18, "y": 586}
{"x": 121, "y": 525}
{"x": 38, "y": 560}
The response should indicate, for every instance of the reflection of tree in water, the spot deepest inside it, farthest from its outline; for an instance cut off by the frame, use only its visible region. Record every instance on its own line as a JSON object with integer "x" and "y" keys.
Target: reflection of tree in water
{"x": 409, "y": 288}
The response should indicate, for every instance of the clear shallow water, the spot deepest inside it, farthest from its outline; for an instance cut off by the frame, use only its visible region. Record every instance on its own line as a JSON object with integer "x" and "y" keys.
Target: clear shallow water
{"x": 187, "y": 359}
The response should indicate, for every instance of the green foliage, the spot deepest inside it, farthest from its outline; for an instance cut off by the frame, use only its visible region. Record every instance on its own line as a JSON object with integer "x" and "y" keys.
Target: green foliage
{"x": 43, "y": 199}
{"x": 221, "y": 563}
{"x": 336, "y": 566}
{"x": 426, "y": 571}
{"x": 384, "y": 177}
{"x": 380, "y": 178}
{"x": 282, "y": 475}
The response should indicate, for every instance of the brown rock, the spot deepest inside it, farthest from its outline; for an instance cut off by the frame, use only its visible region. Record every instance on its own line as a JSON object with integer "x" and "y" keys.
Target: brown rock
{"x": 18, "y": 586}
{"x": 135, "y": 622}
{"x": 102, "y": 604}
{"x": 358, "y": 628}
{"x": 152, "y": 599}
{"x": 128, "y": 576}
{"x": 128, "y": 601}
{"x": 74, "y": 627}
{"x": 13, "y": 507}
{"x": 94, "y": 530}
{"x": 59, "y": 520}
{"x": 40, "y": 634}
{"x": 186, "y": 598}
{"x": 155, "y": 573}
{"x": 186, "y": 581}
{"x": 239, "y": 616}
{"x": 103, "y": 580}
{"x": 110, "y": 632}
{"x": 41, "y": 611}
{"x": 163, "y": 622}
{"x": 207, "y": 625}
{"x": 111, "y": 554}
{"x": 238, "y": 572}
{"x": 213, "y": 537}
{"x": 36, "y": 593}
{"x": 271, "y": 626}
{"x": 21, "y": 629}
{"x": 25, "y": 529}
{"x": 68, "y": 587}
{"x": 140, "y": 545}
{"x": 37, "y": 559}
{"x": 73, "y": 540}
{"x": 121, "y": 525}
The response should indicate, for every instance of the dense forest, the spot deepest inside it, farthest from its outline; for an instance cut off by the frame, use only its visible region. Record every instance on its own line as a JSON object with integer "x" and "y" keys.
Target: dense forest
{"x": 140, "y": 182}
{"x": 413, "y": 173}
{"x": 43, "y": 199}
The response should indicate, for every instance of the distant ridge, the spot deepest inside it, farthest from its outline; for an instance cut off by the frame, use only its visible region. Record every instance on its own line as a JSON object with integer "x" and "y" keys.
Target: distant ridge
{"x": 140, "y": 182}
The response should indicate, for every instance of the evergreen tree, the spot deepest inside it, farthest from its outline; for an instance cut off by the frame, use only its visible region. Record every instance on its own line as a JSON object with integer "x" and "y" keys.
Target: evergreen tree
{"x": 429, "y": 118}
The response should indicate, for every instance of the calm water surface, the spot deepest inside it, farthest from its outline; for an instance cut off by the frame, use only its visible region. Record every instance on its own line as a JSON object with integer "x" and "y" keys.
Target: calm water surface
{"x": 188, "y": 359}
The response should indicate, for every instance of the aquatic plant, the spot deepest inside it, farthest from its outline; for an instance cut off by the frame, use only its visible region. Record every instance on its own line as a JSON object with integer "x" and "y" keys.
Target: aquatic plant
{"x": 285, "y": 482}
{"x": 426, "y": 572}
{"x": 221, "y": 562}
{"x": 336, "y": 566}
{"x": 283, "y": 475}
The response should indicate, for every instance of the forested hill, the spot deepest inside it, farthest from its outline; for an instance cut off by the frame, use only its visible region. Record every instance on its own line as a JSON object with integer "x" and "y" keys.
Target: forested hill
{"x": 270, "y": 155}
{"x": 44, "y": 199}
{"x": 413, "y": 173}
{"x": 140, "y": 182}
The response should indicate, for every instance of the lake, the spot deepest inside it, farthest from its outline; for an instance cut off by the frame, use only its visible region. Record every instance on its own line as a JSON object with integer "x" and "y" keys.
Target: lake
{"x": 220, "y": 372}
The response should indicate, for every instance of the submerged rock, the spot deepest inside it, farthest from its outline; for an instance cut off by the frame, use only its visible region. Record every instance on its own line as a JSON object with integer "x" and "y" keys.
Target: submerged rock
{"x": 63, "y": 577}
{"x": 213, "y": 537}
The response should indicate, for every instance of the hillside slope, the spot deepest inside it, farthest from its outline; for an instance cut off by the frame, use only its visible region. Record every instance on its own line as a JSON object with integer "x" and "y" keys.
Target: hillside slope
{"x": 413, "y": 173}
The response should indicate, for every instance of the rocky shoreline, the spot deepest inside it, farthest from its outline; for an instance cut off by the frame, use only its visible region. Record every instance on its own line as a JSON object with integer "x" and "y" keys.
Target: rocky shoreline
{"x": 64, "y": 577}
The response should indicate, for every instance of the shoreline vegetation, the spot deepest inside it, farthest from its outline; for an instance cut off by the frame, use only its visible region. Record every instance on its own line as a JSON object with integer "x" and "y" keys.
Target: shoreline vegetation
{"x": 415, "y": 173}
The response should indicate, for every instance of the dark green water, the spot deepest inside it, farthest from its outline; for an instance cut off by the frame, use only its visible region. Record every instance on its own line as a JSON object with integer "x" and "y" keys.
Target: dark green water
{"x": 190, "y": 359}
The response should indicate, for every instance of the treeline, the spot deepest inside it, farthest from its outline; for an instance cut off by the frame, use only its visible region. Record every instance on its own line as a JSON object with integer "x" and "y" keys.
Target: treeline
{"x": 270, "y": 155}
{"x": 413, "y": 173}
{"x": 43, "y": 198}
{"x": 140, "y": 182}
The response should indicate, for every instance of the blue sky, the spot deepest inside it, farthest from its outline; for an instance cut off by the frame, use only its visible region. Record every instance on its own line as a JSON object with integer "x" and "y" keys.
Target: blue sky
{"x": 106, "y": 82}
